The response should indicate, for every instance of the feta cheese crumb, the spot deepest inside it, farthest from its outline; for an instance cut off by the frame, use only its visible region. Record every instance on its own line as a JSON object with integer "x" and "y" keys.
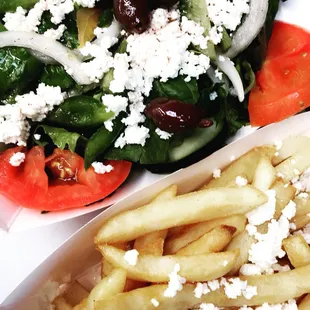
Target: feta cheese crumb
{"x": 205, "y": 306}
{"x": 100, "y": 168}
{"x": 276, "y": 154}
{"x": 216, "y": 173}
{"x": 303, "y": 195}
{"x": 290, "y": 305}
{"x": 55, "y": 34}
{"x": 264, "y": 212}
{"x": 218, "y": 74}
{"x": 240, "y": 181}
{"x": 305, "y": 232}
{"x": 235, "y": 287}
{"x": 279, "y": 268}
{"x": 17, "y": 159}
{"x": 175, "y": 283}
{"x": 221, "y": 58}
{"x": 155, "y": 302}
{"x": 290, "y": 210}
{"x": 302, "y": 183}
{"x": 278, "y": 144}
{"x": 213, "y": 96}
{"x": 251, "y": 229}
{"x": 201, "y": 289}
{"x": 250, "y": 270}
{"x": 214, "y": 285}
{"x": 115, "y": 104}
{"x": 133, "y": 135}
{"x": 131, "y": 257}
{"x": 37, "y": 136}
{"x": 86, "y": 3}
{"x": 164, "y": 135}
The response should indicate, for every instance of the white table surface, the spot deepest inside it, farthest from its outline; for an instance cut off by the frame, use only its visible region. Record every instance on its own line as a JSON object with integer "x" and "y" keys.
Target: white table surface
{"x": 22, "y": 252}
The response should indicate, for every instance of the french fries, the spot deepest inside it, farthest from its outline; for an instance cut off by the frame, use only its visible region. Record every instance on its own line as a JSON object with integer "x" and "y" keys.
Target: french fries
{"x": 212, "y": 242}
{"x": 298, "y": 251}
{"x": 191, "y": 208}
{"x": 152, "y": 268}
{"x": 191, "y": 247}
{"x": 245, "y": 164}
{"x": 272, "y": 289}
{"x": 192, "y": 232}
{"x": 305, "y": 303}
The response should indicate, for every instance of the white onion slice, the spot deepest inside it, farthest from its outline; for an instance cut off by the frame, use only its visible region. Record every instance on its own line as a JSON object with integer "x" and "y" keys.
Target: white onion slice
{"x": 250, "y": 27}
{"x": 228, "y": 67}
{"x": 49, "y": 47}
{"x": 42, "y": 57}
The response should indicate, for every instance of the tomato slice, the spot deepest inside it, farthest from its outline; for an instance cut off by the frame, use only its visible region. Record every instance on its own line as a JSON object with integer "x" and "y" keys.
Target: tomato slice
{"x": 286, "y": 39}
{"x": 57, "y": 182}
{"x": 282, "y": 84}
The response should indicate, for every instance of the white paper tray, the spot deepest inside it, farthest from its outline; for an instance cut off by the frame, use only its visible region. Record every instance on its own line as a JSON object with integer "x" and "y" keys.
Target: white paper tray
{"x": 73, "y": 258}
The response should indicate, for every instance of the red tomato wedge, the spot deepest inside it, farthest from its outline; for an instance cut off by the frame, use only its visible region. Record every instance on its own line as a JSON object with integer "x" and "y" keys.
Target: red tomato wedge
{"x": 57, "y": 182}
{"x": 282, "y": 84}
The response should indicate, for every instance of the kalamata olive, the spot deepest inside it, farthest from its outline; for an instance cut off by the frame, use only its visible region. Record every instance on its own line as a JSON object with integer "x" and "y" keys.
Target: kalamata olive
{"x": 173, "y": 115}
{"x": 134, "y": 15}
{"x": 162, "y": 3}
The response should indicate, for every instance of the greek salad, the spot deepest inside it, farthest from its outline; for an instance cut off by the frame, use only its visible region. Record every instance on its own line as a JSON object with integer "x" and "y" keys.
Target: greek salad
{"x": 89, "y": 87}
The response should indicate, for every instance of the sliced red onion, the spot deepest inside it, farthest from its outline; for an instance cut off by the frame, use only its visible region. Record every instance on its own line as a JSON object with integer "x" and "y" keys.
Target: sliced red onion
{"x": 228, "y": 67}
{"x": 48, "y": 47}
{"x": 250, "y": 27}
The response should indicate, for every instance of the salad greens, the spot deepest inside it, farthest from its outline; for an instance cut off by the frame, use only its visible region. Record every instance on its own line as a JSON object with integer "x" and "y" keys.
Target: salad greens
{"x": 82, "y": 115}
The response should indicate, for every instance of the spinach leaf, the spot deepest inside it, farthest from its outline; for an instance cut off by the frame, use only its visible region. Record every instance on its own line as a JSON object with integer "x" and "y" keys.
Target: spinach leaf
{"x": 59, "y": 137}
{"x": 55, "y": 75}
{"x": 12, "y": 5}
{"x": 80, "y": 112}
{"x": 177, "y": 89}
{"x": 2, "y": 28}
{"x": 17, "y": 69}
{"x": 106, "y": 18}
{"x": 130, "y": 152}
{"x": 100, "y": 141}
{"x": 70, "y": 35}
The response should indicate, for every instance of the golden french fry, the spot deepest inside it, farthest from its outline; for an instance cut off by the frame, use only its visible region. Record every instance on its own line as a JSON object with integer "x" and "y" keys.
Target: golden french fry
{"x": 294, "y": 165}
{"x": 298, "y": 251}
{"x": 264, "y": 175}
{"x": 305, "y": 303}
{"x": 212, "y": 242}
{"x": 153, "y": 243}
{"x": 243, "y": 242}
{"x": 157, "y": 268}
{"x": 283, "y": 196}
{"x": 301, "y": 221}
{"x": 186, "y": 209}
{"x": 272, "y": 289}
{"x": 60, "y": 303}
{"x": 167, "y": 193}
{"x": 75, "y": 293}
{"x": 192, "y": 232}
{"x": 290, "y": 146}
{"x": 302, "y": 206}
{"x": 109, "y": 286}
{"x": 245, "y": 164}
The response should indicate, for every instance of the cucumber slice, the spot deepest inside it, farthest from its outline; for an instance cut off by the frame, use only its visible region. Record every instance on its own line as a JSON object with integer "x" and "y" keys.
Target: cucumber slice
{"x": 199, "y": 138}
{"x": 197, "y": 11}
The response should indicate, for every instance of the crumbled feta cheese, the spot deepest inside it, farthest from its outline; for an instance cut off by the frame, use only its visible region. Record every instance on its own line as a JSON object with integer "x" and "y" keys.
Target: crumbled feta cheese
{"x": 214, "y": 285}
{"x": 240, "y": 181}
{"x": 59, "y": 9}
{"x": 218, "y": 74}
{"x": 100, "y": 168}
{"x": 227, "y": 13}
{"x": 303, "y": 195}
{"x": 292, "y": 226}
{"x": 303, "y": 182}
{"x": 222, "y": 58}
{"x": 305, "y": 232}
{"x": 201, "y": 289}
{"x": 37, "y": 136}
{"x": 86, "y": 3}
{"x": 14, "y": 128}
{"x": 276, "y": 154}
{"x": 163, "y": 134}
{"x": 278, "y": 144}
{"x": 250, "y": 270}
{"x": 215, "y": 35}
{"x": 264, "y": 212}
{"x": 216, "y": 173}
{"x": 115, "y": 104}
{"x": 133, "y": 135}
{"x": 17, "y": 159}
{"x": 290, "y": 305}
{"x": 36, "y": 106}
{"x": 213, "y": 96}
{"x": 279, "y": 268}
{"x": 175, "y": 283}
{"x": 251, "y": 229}
{"x": 108, "y": 125}
{"x": 131, "y": 257}
{"x": 55, "y": 34}
{"x": 155, "y": 302}
{"x": 290, "y": 210}
{"x": 246, "y": 308}
{"x": 235, "y": 287}
{"x": 205, "y": 306}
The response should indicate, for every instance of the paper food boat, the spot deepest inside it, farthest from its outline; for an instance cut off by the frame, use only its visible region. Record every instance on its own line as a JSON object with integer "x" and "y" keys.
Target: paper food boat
{"x": 78, "y": 253}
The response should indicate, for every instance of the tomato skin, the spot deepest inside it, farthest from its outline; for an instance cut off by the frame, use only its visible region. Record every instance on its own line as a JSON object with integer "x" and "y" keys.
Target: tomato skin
{"x": 29, "y": 186}
{"x": 282, "y": 84}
